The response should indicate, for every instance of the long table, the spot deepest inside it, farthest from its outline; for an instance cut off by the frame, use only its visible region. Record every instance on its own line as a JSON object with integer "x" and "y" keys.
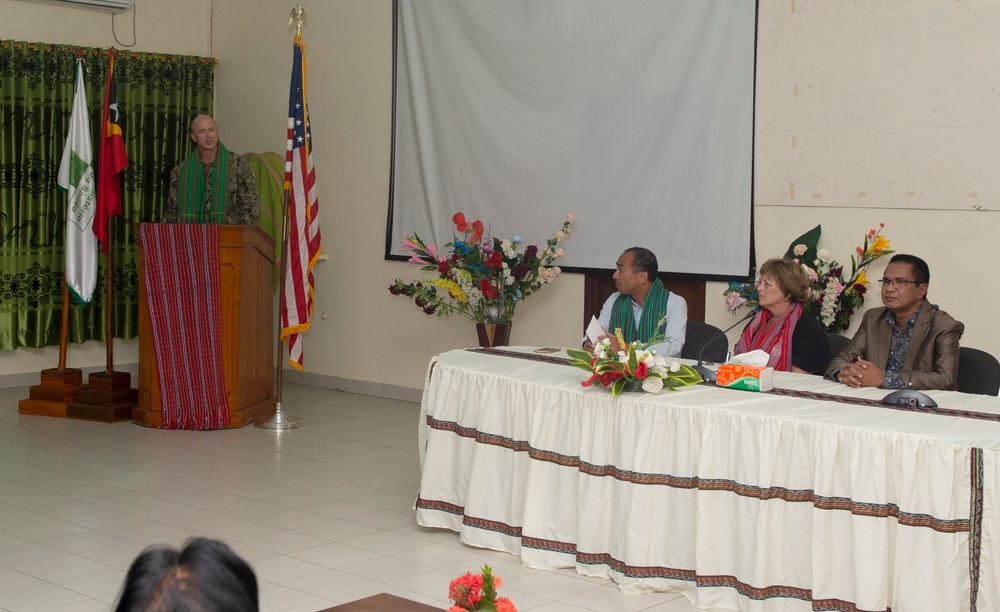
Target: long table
{"x": 788, "y": 500}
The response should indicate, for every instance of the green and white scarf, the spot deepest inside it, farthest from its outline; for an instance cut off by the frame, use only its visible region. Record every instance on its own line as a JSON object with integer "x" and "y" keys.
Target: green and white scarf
{"x": 653, "y": 309}
{"x": 192, "y": 205}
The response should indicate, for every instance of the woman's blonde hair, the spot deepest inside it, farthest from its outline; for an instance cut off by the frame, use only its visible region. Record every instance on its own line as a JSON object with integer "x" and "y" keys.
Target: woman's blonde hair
{"x": 789, "y": 276}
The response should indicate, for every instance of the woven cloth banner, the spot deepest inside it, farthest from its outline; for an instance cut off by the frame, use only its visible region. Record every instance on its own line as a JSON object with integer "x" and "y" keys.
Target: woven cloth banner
{"x": 182, "y": 288}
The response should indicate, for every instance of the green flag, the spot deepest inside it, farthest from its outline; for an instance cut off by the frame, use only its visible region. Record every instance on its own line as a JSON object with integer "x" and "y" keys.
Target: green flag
{"x": 76, "y": 177}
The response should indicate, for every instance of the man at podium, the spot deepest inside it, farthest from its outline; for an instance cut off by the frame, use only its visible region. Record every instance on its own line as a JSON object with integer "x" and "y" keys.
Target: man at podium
{"x": 213, "y": 185}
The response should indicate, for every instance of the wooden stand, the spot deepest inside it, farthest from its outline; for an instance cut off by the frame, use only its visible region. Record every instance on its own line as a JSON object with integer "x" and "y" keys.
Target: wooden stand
{"x": 107, "y": 398}
{"x": 59, "y": 388}
{"x": 246, "y": 262}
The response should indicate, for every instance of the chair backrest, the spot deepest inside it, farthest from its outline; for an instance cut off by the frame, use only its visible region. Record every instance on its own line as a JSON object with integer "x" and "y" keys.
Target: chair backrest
{"x": 700, "y": 333}
{"x": 978, "y": 372}
{"x": 837, "y": 344}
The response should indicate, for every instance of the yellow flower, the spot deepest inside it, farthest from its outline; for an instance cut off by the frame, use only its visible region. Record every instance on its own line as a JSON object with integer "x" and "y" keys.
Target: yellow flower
{"x": 452, "y": 287}
{"x": 621, "y": 339}
{"x": 881, "y": 243}
{"x": 859, "y": 280}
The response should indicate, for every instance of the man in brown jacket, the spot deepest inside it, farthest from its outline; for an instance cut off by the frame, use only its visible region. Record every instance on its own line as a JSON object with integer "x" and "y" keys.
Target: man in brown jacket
{"x": 909, "y": 343}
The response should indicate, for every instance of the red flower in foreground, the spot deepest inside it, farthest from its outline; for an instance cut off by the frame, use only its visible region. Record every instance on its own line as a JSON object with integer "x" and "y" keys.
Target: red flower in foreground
{"x": 641, "y": 370}
{"x": 459, "y": 220}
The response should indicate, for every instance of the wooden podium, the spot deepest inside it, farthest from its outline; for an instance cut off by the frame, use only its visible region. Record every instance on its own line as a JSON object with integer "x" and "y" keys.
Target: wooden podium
{"x": 246, "y": 263}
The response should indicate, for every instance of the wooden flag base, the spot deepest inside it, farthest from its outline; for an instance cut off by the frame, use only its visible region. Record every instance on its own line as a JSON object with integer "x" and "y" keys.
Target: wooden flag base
{"x": 59, "y": 388}
{"x": 108, "y": 398}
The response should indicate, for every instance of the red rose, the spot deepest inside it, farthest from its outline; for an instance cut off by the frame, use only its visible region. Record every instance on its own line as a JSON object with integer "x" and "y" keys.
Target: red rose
{"x": 459, "y": 220}
{"x": 641, "y": 370}
{"x": 477, "y": 231}
{"x": 496, "y": 259}
{"x": 443, "y": 267}
{"x": 488, "y": 290}
{"x": 607, "y": 378}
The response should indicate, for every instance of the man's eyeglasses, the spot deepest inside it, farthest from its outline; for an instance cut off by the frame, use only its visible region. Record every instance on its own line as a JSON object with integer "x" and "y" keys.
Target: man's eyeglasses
{"x": 897, "y": 282}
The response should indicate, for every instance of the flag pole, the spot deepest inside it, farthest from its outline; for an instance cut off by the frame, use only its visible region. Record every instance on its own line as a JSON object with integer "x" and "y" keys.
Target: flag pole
{"x": 279, "y": 421}
{"x": 59, "y": 386}
{"x": 109, "y": 396}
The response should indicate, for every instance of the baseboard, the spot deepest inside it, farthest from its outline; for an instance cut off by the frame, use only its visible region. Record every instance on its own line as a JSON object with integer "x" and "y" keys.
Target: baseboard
{"x": 361, "y": 387}
{"x": 322, "y": 381}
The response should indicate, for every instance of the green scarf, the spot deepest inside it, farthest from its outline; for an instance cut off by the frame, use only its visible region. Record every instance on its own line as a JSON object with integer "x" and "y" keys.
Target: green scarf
{"x": 653, "y": 309}
{"x": 191, "y": 206}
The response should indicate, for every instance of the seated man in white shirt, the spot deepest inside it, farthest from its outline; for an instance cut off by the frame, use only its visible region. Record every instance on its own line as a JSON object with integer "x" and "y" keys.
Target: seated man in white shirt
{"x": 640, "y": 304}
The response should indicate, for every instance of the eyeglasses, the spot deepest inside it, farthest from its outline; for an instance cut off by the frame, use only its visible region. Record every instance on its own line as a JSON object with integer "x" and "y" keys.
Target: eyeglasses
{"x": 897, "y": 282}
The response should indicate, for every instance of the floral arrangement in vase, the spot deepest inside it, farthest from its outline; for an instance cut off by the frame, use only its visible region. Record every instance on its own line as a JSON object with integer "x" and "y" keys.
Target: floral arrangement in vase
{"x": 632, "y": 368}
{"x": 478, "y": 592}
{"x": 480, "y": 276}
{"x": 835, "y": 294}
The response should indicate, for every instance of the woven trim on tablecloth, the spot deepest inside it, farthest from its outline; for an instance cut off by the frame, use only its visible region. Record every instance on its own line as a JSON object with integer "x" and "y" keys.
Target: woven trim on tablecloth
{"x": 826, "y": 397}
{"x": 708, "y": 484}
{"x": 182, "y": 290}
{"x": 639, "y": 571}
{"x": 975, "y": 524}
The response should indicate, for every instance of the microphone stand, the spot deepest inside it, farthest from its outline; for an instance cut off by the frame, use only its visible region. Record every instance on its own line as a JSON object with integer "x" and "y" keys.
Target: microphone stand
{"x": 706, "y": 373}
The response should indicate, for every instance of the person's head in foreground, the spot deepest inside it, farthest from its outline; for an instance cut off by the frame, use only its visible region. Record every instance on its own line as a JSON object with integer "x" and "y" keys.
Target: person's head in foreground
{"x": 204, "y": 576}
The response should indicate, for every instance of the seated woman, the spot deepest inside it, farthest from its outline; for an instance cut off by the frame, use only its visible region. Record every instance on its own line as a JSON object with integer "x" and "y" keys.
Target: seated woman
{"x": 794, "y": 340}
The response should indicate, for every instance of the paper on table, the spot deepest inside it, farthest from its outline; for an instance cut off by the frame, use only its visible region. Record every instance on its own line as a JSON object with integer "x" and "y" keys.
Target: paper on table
{"x": 594, "y": 330}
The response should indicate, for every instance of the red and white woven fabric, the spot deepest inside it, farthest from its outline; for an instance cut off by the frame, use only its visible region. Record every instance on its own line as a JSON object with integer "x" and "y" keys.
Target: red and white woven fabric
{"x": 182, "y": 289}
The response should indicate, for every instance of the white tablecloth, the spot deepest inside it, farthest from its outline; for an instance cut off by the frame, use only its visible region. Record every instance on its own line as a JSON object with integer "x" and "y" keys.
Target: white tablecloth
{"x": 752, "y": 501}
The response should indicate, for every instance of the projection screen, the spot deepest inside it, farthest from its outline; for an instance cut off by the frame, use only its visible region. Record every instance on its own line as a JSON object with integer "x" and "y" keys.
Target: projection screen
{"x": 635, "y": 115}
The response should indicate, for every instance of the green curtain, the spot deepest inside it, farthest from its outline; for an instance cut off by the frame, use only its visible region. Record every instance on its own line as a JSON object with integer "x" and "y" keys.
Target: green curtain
{"x": 158, "y": 95}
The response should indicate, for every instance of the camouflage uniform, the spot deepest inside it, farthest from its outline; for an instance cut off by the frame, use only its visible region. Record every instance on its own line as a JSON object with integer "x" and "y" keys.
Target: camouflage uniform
{"x": 244, "y": 199}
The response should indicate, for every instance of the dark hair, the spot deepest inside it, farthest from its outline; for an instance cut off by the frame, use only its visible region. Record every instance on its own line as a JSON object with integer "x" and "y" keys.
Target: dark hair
{"x": 643, "y": 260}
{"x": 789, "y": 276}
{"x": 205, "y": 576}
{"x": 921, "y": 273}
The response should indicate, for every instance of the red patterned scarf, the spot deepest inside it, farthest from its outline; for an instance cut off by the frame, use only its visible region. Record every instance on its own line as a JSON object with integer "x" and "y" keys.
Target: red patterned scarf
{"x": 182, "y": 287}
{"x": 777, "y": 341}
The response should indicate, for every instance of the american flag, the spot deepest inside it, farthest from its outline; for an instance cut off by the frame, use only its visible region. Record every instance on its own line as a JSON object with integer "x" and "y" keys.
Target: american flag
{"x": 303, "y": 215}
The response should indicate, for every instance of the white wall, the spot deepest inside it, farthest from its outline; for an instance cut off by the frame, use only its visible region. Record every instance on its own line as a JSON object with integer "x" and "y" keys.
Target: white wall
{"x": 368, "y": 335}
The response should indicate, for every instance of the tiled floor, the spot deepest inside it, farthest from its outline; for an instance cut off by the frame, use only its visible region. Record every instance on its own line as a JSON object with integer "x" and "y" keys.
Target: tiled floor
{"x": 323, "y": 513}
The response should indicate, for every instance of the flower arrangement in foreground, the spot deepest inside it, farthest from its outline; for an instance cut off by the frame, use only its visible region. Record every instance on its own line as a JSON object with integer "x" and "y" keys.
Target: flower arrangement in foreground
{"x": 478, "y": 592}
{"x": 632, "y": 367}
{"x": 835, "y": 295}
{"x": 481, "y": 277}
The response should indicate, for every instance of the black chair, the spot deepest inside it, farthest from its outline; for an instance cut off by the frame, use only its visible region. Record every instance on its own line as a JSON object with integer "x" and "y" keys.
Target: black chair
{"x": 978, "y": 372}
{"x": 698, "y": 334}
{"x": 837, "y": 344}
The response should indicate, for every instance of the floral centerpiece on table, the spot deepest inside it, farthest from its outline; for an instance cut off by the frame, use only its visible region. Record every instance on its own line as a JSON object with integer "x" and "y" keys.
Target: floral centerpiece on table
{"x": 480, "y": 276}
{"x": 635, "y": 366}
{"x": 478, "y": 592}
{"x": 836, "y": 295}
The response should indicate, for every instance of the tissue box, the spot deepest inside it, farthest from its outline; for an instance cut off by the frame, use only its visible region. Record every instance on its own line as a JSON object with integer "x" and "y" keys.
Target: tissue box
{"x": 746, "y": 377}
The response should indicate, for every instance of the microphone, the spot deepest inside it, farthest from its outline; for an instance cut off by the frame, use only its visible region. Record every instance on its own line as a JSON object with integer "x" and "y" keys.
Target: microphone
{"x": 910, "y": 396}
{"x": 706, "y": 373}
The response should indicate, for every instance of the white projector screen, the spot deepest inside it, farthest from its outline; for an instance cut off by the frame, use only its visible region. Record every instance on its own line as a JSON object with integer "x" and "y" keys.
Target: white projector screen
{"x": 635, "y": 115}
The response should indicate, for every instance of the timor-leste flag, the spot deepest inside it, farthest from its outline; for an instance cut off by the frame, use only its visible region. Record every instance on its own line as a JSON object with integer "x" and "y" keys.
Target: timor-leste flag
{"x": 111, "y": 162}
